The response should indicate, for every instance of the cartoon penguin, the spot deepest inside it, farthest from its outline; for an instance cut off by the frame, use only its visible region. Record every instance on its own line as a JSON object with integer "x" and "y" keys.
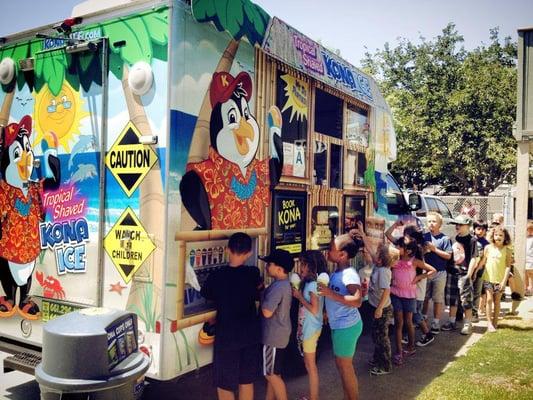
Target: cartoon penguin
{"x": 21, "y": 211}
{"x": 231, "y": 189}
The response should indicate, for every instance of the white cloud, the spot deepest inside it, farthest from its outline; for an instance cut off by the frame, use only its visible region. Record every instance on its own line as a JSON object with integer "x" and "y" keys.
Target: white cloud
{"x": 188, "y": 94}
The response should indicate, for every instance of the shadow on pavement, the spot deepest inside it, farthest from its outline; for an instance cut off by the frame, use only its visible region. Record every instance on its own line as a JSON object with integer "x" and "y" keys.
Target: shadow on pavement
{"x": 28, "y": 390}
{"x": 406, "y": 382}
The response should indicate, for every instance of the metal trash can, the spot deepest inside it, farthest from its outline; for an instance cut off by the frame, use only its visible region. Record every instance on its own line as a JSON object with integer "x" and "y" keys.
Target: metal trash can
{"x": 92, "y": 354}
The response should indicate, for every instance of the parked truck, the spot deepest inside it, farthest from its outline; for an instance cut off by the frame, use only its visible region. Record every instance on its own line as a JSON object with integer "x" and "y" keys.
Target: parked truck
{"x": 137, "y": 138}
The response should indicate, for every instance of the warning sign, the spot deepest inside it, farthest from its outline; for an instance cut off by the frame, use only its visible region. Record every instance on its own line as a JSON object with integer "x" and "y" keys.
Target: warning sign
{"x": 128, "y": 244}
{"x": 128, "y": 160}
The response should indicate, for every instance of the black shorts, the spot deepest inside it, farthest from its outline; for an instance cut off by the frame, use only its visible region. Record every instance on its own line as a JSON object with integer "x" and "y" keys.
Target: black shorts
{"x": 273, "y": 360}
{"x": 232, "y": 368}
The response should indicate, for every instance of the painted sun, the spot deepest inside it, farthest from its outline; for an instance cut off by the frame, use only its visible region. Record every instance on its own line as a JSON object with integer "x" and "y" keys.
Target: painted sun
{"x": 296, "y": 95}
{"x": 61, "y": 114}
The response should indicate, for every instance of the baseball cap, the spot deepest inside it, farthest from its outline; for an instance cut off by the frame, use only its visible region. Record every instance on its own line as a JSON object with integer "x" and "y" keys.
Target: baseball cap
{"x": 224, "y": 84}
{"x": 280, "y": 257}
{"x": 15, "y": 129}
{"x": 461, "y": 220}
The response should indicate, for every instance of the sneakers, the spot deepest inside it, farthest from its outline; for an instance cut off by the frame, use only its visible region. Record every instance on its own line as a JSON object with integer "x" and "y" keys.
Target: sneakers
{"x": 425, "y": 340}
{"x": 435, "y": 329}
{"x": 467, "y": 329}
{"x": 449, "y": 326}
{"x": 405, "y": 340}
{"x": 375, "y": 371}
{"x": 475, "y": 318}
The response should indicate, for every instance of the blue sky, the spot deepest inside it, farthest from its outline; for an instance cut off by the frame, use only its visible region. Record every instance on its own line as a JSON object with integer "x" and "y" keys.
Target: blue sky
{"x": 347, "y": 25}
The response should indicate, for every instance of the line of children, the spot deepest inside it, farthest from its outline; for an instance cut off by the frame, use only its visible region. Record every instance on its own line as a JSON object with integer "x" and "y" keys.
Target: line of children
{"x": 235, "y": 288}
{"x": 240, "y": 330}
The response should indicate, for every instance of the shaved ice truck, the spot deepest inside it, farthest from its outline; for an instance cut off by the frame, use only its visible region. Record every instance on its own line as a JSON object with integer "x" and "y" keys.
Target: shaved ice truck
{"x": 137, "y": 138}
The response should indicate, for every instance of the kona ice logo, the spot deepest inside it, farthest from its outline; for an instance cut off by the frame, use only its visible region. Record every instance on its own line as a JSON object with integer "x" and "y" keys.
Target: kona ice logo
{"x": 68, "y": 240}
{"x": 346, "y": 76}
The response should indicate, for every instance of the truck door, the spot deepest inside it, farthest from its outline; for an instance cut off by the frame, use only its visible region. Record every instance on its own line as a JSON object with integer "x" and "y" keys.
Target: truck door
{"x": 69, "y": 116}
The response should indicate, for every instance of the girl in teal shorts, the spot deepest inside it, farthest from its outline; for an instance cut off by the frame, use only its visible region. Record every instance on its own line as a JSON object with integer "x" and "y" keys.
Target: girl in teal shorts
{"x": 343, "y": 297}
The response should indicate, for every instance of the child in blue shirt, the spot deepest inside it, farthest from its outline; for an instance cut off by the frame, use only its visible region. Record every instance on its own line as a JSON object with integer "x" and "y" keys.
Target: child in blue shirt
{"x": 343, "y": 298}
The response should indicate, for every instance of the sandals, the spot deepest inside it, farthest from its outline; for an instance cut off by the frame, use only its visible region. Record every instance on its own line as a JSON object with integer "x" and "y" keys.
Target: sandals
{"x": 29, "y": 310}
{"x": 397, "y": 359}
{"x": 408, "y": 352}
{"x": 6, "y": 308}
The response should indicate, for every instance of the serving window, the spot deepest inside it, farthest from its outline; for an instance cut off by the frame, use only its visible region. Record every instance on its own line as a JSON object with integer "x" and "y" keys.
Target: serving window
{"x": 328, "y": 114}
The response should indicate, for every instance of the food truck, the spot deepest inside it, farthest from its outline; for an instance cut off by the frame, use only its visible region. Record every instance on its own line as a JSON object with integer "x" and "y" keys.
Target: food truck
{"x": 137, "y": 138}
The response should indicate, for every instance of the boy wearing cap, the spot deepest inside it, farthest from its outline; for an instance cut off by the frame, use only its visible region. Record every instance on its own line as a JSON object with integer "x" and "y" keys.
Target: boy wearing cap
{"x": 461, "y": 282}
{"x": 276, "y": 321}
{"x": 235, "y": 289}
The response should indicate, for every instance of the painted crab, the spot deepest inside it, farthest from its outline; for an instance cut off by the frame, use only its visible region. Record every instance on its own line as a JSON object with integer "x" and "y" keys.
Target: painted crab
{"x": 52, "y": 288}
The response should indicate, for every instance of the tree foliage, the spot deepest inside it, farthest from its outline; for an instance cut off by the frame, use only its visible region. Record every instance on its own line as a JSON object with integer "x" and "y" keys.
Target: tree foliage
{"x": 453, "y": 110}
{"x": 240, "y": 18}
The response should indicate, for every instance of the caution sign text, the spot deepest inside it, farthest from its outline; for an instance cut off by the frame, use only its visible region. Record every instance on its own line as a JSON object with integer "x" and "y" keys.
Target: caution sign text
{"x": 128, "y": 244}
{"x": 128, "y": 160}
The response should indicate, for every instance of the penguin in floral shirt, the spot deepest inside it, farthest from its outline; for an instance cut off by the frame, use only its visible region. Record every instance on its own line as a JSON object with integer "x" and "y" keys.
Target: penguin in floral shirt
{"x": 21, "y": 212}
{"x": 231, "y": 189}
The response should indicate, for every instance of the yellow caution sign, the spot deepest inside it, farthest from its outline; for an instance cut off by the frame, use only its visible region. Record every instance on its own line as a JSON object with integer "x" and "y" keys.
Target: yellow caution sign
{"x": 128, "y": 160}
{"x": 128, "y": 244}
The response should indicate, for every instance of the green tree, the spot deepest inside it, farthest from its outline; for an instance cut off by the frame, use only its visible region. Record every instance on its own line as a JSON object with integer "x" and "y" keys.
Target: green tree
{"x": 453, "y": 110}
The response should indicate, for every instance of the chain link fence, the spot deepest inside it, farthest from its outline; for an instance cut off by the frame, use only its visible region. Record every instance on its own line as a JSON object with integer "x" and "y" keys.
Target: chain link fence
{"x": 482, "y": 207}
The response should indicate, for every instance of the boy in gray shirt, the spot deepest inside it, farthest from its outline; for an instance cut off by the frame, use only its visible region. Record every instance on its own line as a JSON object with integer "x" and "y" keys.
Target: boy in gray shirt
{"x": 276, "y": 321}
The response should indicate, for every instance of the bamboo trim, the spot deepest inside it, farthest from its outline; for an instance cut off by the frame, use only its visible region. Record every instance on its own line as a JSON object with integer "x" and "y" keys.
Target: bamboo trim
{"x": 180, "y": 285}
{"x": 288, "y": 179}
{"x": 340, "y": 94}
{"x": 288, "y": 69}
{"x": 199, "y": 236}
{"x": 195, "y": 319}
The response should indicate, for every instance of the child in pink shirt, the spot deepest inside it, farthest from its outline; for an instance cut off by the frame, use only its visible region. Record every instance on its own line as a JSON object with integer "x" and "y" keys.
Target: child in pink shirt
{"x": 403, "y": 293}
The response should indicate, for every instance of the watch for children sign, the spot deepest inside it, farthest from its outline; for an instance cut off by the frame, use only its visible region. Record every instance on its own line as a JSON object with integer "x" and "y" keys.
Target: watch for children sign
{"x": 128, "y": 245}
{"x": 128, "y": 160}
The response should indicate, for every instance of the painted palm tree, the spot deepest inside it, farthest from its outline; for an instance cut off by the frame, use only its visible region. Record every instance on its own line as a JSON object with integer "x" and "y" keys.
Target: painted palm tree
{"x": 145, "y": 38}
{"x": 240, "y": 18}
{"x": 15, "y": 52}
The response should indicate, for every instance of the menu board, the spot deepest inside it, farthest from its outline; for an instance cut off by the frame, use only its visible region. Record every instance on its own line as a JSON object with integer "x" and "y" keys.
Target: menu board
{"x": 204, "y": 258}
{"x": 121, "y": 341}
{"x": 288, "y": 221}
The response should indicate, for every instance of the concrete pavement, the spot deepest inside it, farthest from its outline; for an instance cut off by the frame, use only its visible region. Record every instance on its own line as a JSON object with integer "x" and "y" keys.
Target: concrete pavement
{"x": 406, "y": 382}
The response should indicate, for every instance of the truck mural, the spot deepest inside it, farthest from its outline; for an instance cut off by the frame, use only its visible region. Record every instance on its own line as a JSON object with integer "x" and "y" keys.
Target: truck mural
{"x": 135, "y": 144}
